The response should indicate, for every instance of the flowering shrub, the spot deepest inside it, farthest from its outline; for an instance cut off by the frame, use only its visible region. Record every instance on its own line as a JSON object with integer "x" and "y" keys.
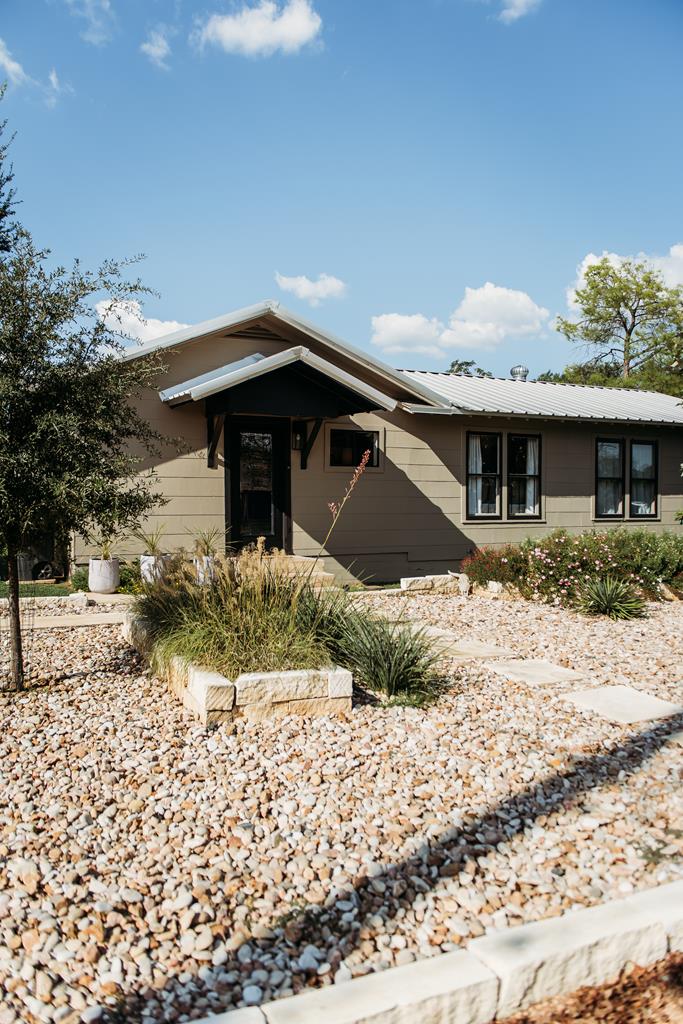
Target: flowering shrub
{"x": 555, "y": 568}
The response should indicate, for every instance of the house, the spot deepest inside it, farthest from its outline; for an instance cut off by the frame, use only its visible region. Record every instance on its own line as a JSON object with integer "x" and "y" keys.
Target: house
{"x": 275, "y": 413}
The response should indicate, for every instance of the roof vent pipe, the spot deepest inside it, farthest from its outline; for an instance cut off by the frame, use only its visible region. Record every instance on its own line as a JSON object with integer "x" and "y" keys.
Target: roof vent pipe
{"x": 519, "y": 372}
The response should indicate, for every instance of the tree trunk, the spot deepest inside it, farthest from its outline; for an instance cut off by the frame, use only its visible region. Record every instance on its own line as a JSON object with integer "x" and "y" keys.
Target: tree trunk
{"x": 17, "y": 655}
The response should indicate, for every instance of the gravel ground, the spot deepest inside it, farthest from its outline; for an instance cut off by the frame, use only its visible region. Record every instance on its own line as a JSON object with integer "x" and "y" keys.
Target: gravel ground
{"x": 641, "y": 996}
{"x": 150, "y": 866}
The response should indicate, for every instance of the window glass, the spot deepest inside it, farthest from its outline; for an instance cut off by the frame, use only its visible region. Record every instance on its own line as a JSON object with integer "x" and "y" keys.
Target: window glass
{"x": 347, "y": 447}
{"x": 609, "y": 497}
{"x": 643, "y": 478}
{"x": 256, "y": 484}
{"x": 483, "y": 475}
{"x": 524, "y": 471}
{"x": 609, "y": 458}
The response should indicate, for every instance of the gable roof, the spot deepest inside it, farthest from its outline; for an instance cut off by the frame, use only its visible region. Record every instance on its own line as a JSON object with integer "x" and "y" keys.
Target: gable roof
{"x": 226, "y": 377}
{"x": 436, "y": 393}
{"x": 272, "y": 310}
{"x": 535, "y": 398}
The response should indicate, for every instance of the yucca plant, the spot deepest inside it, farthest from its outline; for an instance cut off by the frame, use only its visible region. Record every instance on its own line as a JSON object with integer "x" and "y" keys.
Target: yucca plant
{"x": 393, "y": 658}
{"x": 607, "y": 595}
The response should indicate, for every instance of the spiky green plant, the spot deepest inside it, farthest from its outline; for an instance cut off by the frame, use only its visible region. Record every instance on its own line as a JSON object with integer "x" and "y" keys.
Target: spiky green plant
{"x": 607, "y": 595}
{"x": 254, "y": 615}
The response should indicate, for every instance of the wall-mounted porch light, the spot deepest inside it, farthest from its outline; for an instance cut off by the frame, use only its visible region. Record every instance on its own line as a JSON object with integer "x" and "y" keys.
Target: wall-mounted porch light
{"x": 299, "y": 435}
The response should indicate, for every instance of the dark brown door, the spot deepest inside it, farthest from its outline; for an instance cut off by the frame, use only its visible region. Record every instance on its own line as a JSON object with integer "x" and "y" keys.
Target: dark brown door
{"x": 257, "y": 481}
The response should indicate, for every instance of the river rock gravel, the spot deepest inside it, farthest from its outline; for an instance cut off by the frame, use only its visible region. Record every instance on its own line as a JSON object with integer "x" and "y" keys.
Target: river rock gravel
{"x": 153, "y": 870}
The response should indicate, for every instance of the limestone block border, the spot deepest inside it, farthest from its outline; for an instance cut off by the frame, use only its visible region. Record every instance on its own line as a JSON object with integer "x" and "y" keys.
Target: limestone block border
{"x": 498, "y": 974}
{"x": 452, "y": 583}
{"x": 212, "y": 698}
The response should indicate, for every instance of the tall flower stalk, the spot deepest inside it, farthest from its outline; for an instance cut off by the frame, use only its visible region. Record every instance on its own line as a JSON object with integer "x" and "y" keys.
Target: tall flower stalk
{"x": 336, "y": 508}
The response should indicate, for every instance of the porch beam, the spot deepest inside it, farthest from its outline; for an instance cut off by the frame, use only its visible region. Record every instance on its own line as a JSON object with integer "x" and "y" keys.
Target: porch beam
{"x": 310, "y": 441}
{"x": 214, "y": 426}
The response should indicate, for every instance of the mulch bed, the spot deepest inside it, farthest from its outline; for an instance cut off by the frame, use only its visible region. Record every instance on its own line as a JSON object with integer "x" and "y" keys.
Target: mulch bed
{"x": 642, "y": 995}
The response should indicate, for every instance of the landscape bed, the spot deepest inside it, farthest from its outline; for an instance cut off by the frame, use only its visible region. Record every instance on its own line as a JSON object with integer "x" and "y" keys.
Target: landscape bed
{"x": 166, "y": 871}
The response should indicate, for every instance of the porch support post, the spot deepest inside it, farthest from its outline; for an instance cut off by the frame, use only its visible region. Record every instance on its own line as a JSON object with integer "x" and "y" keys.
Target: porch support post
{"x": 214, "y": 429}
{"x": 310, "y": 441}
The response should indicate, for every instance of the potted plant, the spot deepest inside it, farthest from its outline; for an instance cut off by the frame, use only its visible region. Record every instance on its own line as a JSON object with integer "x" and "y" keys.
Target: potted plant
{"x": 103, "y": 572}
{"x": 154, "y": 560}
{"x": 205, "y": 551}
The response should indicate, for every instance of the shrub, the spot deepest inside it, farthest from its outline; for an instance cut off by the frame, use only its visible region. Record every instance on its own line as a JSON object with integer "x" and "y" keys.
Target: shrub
{"x": 255, "y": 615}
{"x": 79, "y": 579}
{"x": 130, "y": 578}
{"x": 390, "y": 657}
{"x": 502, "y": 565}
{"x": 612, "y": 597}
{"x": 234, "y": 623}
{"x": 555, "y": 568}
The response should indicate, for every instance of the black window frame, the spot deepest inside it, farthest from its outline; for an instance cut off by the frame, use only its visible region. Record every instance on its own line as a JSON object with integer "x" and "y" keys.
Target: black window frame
{"x": 610, "y": 516}
{"x": 655, "y": 446}
{"x": 525, "y": 476}
{"x": 375, "y": 448}
{"x": 480, "y": 517}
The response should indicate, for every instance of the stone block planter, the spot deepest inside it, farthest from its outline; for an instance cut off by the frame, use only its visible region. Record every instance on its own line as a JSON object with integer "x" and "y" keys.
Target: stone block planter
{"x": 257, "y": 696}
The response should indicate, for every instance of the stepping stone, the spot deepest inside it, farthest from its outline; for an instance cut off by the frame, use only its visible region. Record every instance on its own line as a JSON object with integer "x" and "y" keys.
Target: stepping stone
{"x": 534, "y": 672}
{"x": 447, "y": 642}
{"x": 623, "y": 704}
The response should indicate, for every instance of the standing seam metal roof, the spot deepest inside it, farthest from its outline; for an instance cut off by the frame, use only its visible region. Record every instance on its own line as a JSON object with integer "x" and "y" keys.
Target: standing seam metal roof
{"x": 546, "y": 399}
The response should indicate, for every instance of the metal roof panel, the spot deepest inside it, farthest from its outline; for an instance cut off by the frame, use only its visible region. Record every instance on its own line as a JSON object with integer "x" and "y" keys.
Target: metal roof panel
{"x": 500, "y": 396}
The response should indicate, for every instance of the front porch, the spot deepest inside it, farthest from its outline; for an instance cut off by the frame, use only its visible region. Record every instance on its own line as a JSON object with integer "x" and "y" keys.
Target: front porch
{"x": 262, "y": 413}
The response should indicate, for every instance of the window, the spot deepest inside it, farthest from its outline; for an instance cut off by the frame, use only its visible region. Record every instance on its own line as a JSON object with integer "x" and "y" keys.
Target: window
{"x": 609, "y": 497}
{"x": 524, "y": 475}
{"x": 483, "y": 476}
{"x": 347, "y": 447}
{"x": 643, "y": 489}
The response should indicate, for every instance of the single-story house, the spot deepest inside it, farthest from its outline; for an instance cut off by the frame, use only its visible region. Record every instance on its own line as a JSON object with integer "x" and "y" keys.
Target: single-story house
{"x": 275, "y": 413}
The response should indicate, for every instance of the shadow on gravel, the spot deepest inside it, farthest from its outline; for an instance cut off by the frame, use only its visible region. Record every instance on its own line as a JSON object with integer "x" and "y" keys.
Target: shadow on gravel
{"x": 402, "y": 881}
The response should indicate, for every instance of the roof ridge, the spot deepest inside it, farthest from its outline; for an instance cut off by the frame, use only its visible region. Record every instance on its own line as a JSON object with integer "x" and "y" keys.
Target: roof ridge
{"x": 553, "y": 383}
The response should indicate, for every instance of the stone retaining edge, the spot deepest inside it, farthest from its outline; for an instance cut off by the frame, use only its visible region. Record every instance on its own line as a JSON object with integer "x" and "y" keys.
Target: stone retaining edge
{"x": 498, "y": 974}
{"x": 257, "y": 696}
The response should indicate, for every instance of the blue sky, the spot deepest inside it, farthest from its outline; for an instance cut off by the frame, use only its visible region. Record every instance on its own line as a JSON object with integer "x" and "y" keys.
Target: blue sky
{"x": 446, "y": 164}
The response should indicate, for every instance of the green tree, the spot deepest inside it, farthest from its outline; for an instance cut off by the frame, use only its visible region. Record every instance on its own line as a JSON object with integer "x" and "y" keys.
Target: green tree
{"x": 7, "y": 198}
{"x": 630, "y": 321}
{"x": 468, "y": 368}
{"x": 67, "y": 426}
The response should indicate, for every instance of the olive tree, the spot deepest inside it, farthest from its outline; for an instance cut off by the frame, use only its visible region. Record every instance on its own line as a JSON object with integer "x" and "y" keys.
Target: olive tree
{"x": 71, "y": 441}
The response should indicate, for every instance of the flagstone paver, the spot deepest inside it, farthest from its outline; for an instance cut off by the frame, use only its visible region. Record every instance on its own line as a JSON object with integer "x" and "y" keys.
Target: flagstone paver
{"x": 448, "y": 642}
{"x": 623, "y": 704}
{"x": 535, "y": 672}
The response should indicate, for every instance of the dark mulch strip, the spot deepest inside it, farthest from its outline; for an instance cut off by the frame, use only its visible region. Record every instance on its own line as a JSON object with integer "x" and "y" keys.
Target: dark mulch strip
{"x": 642, "y": 995}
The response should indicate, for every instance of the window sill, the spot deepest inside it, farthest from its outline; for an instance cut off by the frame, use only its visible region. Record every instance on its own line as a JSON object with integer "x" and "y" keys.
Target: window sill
{"x": 516, "y": 521}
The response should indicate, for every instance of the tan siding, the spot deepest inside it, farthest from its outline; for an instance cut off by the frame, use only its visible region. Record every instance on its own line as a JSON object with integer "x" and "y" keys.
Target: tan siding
{"x": 407, "y": 517}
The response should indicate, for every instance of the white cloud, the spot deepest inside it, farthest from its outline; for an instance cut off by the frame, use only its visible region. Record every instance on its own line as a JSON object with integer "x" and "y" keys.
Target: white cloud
{"x": 127, "y": 318}
{"x": 397, "y": 332}
{"x": 157, "y": 47}
{"x": 263, "y": 29}
{"x": 485, "y": 318}
{"x": 513, "y": 10}
{"x": 490, "y": 314}
{"x": 312, "y": 292}
{"x": 98, "y": 17}
{"x": 669, "y": 266}
{"x": 55, "y": 88}
{"x": 11, "y": 67}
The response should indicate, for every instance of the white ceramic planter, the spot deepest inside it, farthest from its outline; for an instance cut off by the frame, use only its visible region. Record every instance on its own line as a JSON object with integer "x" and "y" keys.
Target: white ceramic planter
{"x": 153, "y": 567}
{"x": 205, "y": 566}
{"x": 103, "y": 575}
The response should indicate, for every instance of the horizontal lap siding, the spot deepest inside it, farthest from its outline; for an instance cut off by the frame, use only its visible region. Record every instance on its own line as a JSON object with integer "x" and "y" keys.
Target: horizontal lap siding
{"x": 410, "y": 517}
{"x": 406, "y": 519}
